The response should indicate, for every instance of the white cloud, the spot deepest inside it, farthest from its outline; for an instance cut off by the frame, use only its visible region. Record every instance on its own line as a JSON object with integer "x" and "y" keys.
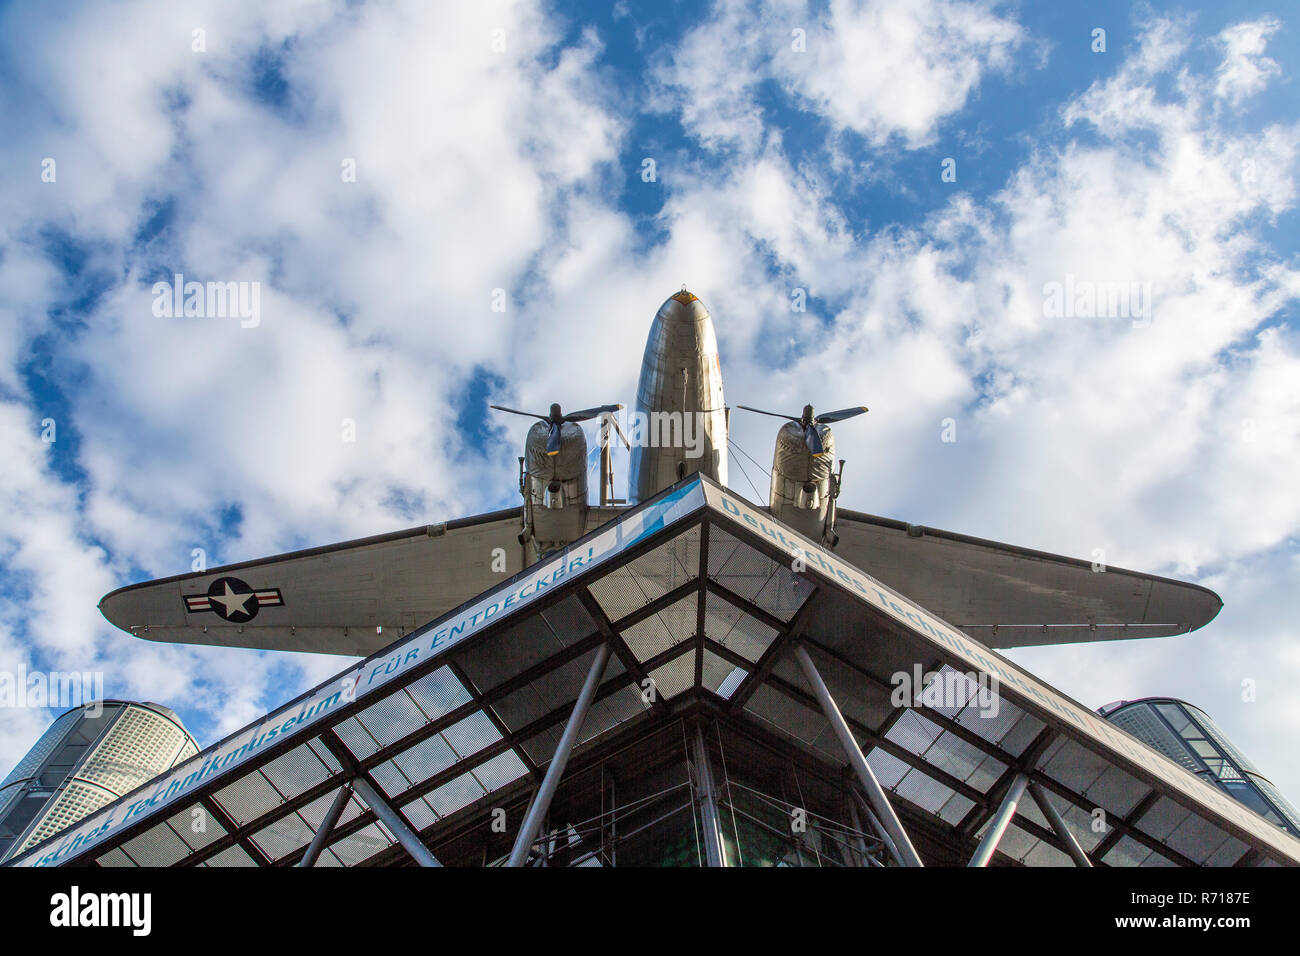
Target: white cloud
{"x": 886, "y": 69}
{"x": 881, "y": 68}
{"x": 375, "y": 294}
{"x": 1245, "y": 70}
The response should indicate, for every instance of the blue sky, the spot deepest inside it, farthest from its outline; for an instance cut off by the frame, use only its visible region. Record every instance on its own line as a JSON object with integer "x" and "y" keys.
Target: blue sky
{"x": 514, "y": 161}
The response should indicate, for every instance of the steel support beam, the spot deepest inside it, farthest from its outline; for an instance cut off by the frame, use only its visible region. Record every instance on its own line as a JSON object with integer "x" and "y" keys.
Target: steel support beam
{"x": 879, "y": 830}
{"x": 542, "y": 802}
{"x": 1000, "y": 822}
{"x": 326, "y": 826}
{"x": 1058, "y": 824}
{"x": 708, "y": 804}
{"x": 867, "y": 858}
{"x": 390, "y": 818}
{"x": 875, "y": 793}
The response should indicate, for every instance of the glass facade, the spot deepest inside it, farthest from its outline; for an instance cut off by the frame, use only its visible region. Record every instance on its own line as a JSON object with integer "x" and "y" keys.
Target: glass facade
{"x": 1187, "y": 735}
{"x": 641, "y": 804}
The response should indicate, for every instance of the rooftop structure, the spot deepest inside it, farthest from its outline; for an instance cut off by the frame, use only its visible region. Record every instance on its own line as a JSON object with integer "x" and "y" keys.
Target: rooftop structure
{"x": 692, "y": 682}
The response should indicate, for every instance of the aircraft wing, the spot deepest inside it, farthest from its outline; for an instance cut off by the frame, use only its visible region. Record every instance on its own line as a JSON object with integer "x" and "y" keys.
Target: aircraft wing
{"x": 328, "y": 600}
{"x": 1006, "y": 596}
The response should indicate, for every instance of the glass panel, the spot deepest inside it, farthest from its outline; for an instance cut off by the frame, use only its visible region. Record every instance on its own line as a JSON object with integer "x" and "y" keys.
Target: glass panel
{"x": 736, "y": 630}
{"x": 675, "y": 676}
{"x": 661, "y": 631}
{"x": 633, "y": 586}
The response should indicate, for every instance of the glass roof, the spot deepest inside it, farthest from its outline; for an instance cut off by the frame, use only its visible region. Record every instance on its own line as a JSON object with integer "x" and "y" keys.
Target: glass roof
{"x": 701, "y": 596}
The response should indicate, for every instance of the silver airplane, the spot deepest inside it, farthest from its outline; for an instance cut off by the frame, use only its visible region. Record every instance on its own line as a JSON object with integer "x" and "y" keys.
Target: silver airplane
{"x": 359, "y": 596}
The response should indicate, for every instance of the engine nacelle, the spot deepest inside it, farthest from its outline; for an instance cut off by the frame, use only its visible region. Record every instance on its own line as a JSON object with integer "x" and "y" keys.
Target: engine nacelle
{"x": 804, "y": 486}
{"x": 554, "y": 487}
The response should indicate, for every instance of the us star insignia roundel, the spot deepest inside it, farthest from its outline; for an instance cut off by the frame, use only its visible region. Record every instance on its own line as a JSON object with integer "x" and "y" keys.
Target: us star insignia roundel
{"x": 233, "y": 600}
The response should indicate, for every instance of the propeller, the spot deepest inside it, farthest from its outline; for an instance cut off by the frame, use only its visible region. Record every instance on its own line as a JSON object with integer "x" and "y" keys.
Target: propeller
{"x": 809, "y": 421}
{"x": 557, "y": 417}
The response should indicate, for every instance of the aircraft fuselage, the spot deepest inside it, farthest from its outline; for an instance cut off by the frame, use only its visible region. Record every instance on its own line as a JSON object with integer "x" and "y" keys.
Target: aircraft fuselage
{"x": 680, "y": 425}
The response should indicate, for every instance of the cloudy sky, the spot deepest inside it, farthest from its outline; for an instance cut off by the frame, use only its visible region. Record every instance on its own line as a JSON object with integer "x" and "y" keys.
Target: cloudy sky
{"x": 922, "y": 169}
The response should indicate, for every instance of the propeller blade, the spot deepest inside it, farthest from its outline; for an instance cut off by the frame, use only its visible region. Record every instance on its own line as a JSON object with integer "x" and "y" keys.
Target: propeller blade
{"x": 842, "y": 414}
{"x": 773, "y": 414}
{"x": 515, "y": 411}
{"x": 813, "y": 440}
{"x": 586, "y": 413}
{"x": 553, "y": 439}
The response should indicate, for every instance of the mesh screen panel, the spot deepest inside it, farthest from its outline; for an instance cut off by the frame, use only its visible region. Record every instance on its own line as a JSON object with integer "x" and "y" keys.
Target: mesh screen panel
{"x": 231, "y": 856}
{"x": 964, "y": 761}
{"x": 731, "y": 683}
{"x": 913, "y": 732}
{"x": 1078, "y": 821}
{"x": 472, "y": 734}
{"x": 314, "y": 812}
{"x": 541, "y": 747}
{"x": 569, "y": 621}
{"x": 955, "y": 810}
{"x": 1111, "y": 789}
{"x": 1129, "y": 852}
{"x": 650, "y": 576}
{"x": 196, "y": 827}
{"x": 456, "y": 794}
{"x": 248, "y": 797}
{"x": 889, "y": 770}
{"x": 1075, "y": 766}
{"x": 419, "y": 814}
{"x": 784, "y": 593}
{"x": 736, "y": 630}
{"x": 500, "y": 657}
{"x": 390, "y": 778}
{"x": 675, "y": 676}
{"x": 1163, "y": 818}
{"x": 606, "y": 714}
{"x": 1197, "y": 838}
{"x": 1011, "y": 728}
{"x": 663, "y": 630}
{"x": 1044, "y": 854}
{"x": 356, "y": 738}
{"x": 295, "y": 771}
{"x": 283, "y": 836}
{"x": 438, "y": 692}
{"x": 1015, "y": 842}
{"x": 500, "y": 770}
{"x": 115, "y": 858}
{"x": 716, "y": 670}
{"x": 392, "y": 717}
{"x": 157, "y": 846}
{"x": 360, "y": 846}
{"x": 923, "y": 790}
{"x": 786, "y": 715}
{"x": 425, "y": 759}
